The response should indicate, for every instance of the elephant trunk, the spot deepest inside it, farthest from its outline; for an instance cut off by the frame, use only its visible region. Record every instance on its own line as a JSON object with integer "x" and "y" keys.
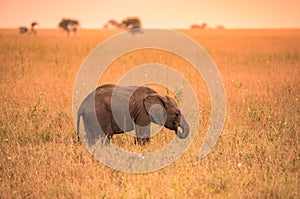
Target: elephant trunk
{"x": 185, "y": 129}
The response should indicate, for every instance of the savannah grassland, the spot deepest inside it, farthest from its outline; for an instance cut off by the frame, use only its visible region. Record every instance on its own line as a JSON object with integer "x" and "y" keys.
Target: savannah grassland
{"x": 257, "y": 155}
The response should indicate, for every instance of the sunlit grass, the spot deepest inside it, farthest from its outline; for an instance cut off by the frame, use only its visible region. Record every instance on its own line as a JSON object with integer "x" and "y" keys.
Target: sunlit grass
{"x": 257, "y": 155}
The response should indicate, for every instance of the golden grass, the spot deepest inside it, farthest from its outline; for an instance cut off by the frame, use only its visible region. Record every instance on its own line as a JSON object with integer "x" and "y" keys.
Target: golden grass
{"x": 257, "y": 155}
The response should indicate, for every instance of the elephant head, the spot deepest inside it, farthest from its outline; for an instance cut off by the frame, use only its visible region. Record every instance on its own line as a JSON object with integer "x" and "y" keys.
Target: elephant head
{"x": 163, "y": 110}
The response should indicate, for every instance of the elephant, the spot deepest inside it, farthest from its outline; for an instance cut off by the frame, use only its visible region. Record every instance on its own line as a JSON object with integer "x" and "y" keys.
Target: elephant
{"x": 112, "y": 109}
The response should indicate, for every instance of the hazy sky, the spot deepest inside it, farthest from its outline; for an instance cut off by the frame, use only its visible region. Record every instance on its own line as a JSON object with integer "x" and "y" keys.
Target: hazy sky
{"x": 154, "y": 13}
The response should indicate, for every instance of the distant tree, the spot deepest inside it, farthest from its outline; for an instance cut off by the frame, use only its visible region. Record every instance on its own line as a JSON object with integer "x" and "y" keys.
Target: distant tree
{"x": 111, "y": 24}
{"x": 132, "y": 24}
{"x": 197, "y": 26}
{"x": 220, "y": 27}
{"x": 69, "y": 25}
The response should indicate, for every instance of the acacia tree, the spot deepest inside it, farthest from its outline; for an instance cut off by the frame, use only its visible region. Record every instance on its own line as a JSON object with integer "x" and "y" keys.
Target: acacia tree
{"x": 200, "y": 27}
{"x": 133, "y": 24}
{"x": 69, "y": 25}
{"x": 111, "y": 24}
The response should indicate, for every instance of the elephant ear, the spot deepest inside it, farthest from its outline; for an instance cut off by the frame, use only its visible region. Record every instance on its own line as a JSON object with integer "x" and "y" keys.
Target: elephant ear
{"x": 155, "y": 106}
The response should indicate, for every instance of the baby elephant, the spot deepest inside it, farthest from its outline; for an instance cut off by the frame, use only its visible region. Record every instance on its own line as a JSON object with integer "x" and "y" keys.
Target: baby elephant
{"x": 112, "y": 109}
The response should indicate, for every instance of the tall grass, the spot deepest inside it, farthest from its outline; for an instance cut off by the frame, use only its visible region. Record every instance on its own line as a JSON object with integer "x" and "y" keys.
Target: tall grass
{"x": 257, "y": 155}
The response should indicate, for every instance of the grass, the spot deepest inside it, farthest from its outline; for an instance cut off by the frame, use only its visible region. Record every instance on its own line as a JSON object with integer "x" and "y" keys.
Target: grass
{"x": 257, "y": 155}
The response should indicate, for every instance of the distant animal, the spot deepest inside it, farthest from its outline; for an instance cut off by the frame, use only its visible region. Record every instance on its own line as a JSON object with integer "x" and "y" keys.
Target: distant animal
{"x": 24, "y": 29}
{"x": 33, "y": 24}
{"x": 145, "y": 106}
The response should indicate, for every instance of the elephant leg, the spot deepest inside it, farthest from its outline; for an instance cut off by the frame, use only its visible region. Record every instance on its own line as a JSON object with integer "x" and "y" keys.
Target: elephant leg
{"x": 142, "y": 134}
{"x": 141, "y": 141}
{"x": 92, "y": 131}
{"x": 106, "y": 139}
{"x": 108, "y": 134}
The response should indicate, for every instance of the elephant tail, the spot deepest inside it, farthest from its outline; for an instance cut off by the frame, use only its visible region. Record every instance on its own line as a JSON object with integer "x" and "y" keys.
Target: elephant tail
{"x": 79, "y": 114}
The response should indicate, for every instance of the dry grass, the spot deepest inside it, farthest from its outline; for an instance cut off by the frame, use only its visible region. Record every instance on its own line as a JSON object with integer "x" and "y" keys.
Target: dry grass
{"x": 257, "y": 155}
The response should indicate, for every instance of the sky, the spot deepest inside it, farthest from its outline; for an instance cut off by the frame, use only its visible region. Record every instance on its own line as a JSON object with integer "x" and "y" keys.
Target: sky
{"x": 153, "y": 13}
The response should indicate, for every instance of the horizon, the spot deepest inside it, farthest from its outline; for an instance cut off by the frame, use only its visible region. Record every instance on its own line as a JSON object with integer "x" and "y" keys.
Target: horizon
{"x": 231, "y": 14}
{"x": 186, "y": 28}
